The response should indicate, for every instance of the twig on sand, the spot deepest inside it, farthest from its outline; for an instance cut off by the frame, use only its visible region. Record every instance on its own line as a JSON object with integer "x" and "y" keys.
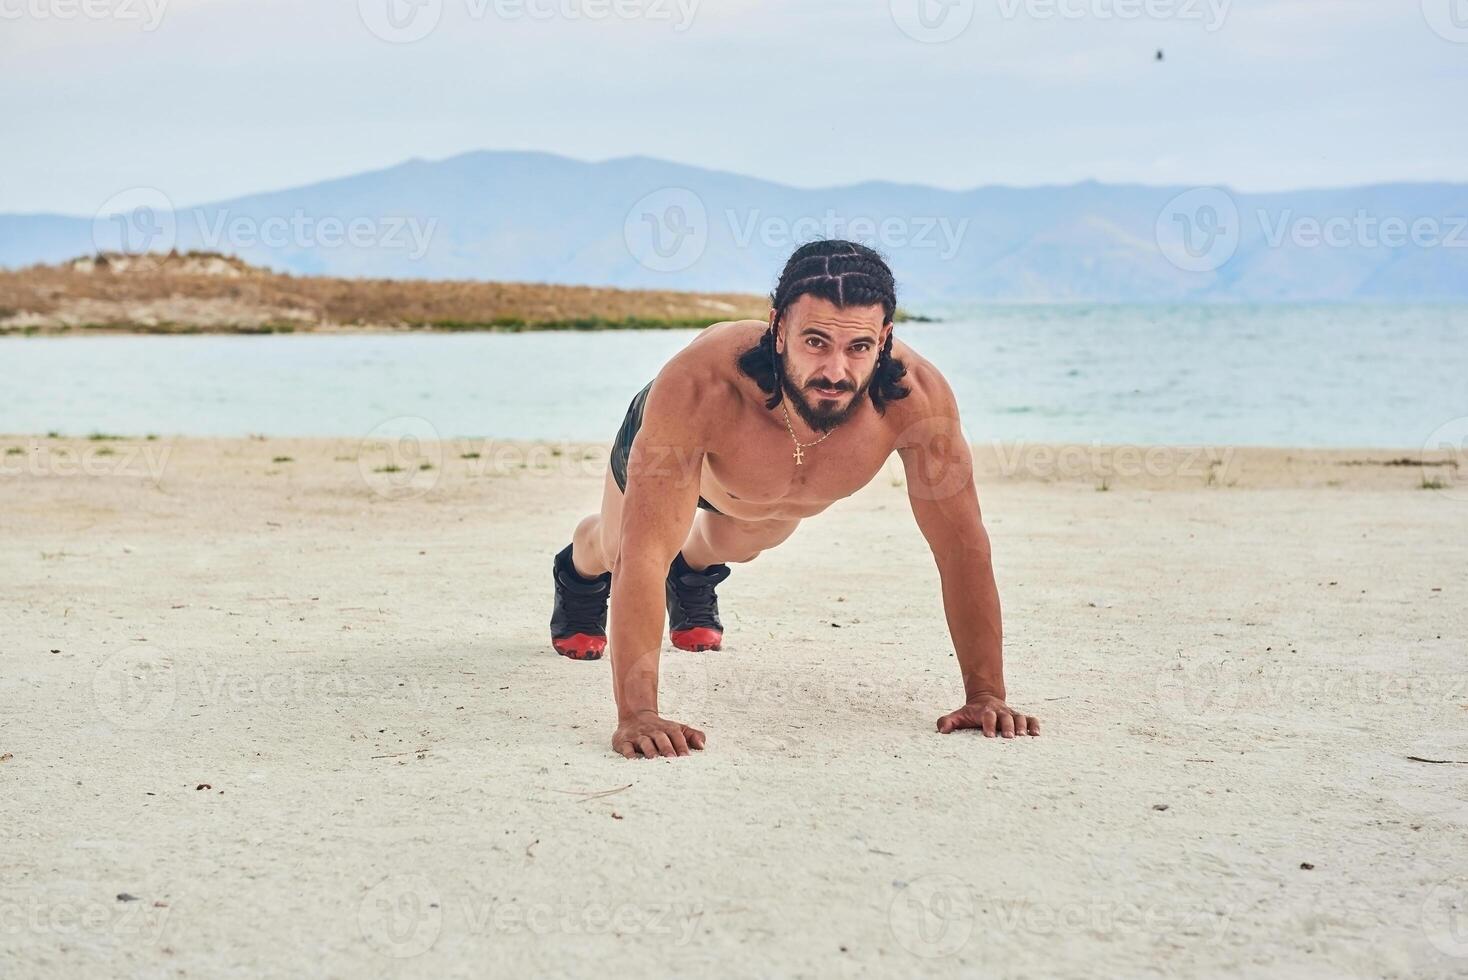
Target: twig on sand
{"x": 588, "y": 795}
{"x": 394, "y": 755}
{"x": 1439, "y": 762}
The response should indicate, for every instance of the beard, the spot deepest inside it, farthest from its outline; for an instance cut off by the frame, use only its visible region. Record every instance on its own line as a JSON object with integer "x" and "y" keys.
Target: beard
{"x": 820, "y": 412}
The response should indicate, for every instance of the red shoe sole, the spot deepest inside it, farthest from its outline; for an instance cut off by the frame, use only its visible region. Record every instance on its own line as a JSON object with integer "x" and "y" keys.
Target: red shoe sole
{"x": 698, "y": 638}
{"x": 580, "y": 646}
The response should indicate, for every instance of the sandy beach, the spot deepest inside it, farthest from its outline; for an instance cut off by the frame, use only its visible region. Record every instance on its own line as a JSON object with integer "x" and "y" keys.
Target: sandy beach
{"x": 271, "y": 707}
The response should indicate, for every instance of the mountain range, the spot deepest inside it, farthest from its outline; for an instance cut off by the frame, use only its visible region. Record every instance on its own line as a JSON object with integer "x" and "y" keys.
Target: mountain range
{"x": 642, "y": 223}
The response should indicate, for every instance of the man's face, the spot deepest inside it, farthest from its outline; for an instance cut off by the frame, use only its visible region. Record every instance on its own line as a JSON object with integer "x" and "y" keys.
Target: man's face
{"x": 830, "y": 356}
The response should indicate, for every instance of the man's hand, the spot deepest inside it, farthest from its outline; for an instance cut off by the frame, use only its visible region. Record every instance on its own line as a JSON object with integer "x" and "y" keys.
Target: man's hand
{"x": 991, "y": 714}
{"x": 651, "y": 736}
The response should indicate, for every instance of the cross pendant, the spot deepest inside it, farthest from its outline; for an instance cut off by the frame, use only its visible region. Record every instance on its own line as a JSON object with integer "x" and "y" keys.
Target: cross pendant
{"x": 799, "y": 456}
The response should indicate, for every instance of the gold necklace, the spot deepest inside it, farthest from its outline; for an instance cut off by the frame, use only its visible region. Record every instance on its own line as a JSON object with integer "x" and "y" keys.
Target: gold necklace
{"x": 799, "y": 447}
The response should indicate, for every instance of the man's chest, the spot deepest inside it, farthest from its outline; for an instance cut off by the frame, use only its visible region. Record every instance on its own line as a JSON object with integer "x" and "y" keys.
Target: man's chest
{"x": 762, "y": 464}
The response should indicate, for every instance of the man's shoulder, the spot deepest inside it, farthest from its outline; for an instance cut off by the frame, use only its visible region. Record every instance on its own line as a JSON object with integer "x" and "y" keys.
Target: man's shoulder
{"x": 928, "y": 390}
{"x": 721, "y": 344}
{"x": 702, "y": 381}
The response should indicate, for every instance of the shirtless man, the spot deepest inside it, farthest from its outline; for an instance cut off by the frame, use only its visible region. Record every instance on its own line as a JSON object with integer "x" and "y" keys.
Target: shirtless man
{"x": 720, "y": 469}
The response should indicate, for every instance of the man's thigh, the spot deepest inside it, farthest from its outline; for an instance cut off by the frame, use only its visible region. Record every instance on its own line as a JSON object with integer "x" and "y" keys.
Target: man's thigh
{"x": 611, "y": 519}
{"x": 732, "y": 539}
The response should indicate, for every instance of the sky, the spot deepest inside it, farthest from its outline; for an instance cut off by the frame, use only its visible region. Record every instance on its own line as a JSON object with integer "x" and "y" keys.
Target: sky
{"x": 208, "y": 99}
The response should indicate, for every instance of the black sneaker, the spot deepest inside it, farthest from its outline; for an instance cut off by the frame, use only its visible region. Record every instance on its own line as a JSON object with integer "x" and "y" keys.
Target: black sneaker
{"x": 693, "y": 609}
{"x": 579, "y": 620}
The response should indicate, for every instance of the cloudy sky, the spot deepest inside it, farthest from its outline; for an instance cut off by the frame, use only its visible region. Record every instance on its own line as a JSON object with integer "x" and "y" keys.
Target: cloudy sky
{"x": 211, "y": 98}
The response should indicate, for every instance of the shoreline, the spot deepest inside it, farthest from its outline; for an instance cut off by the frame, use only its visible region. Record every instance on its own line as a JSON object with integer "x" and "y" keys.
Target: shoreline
{"x": 338, "y": 329}
{"x": 1104, "y": 467}
{"x": 507, "y": 326}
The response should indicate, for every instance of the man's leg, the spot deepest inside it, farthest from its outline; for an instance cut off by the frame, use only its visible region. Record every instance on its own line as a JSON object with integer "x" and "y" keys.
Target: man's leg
{"x": 713, "y": 539}
{"x": 595, "y": 540}
{"x": 718, "y": 539}
{"x": 579, "y": 620}
{"x": 699, "y": 567}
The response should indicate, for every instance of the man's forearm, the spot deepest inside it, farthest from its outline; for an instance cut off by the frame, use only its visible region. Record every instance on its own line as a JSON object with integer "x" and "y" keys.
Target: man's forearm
{"x": 638, "y": 609}
{"x": 971, "y": 606}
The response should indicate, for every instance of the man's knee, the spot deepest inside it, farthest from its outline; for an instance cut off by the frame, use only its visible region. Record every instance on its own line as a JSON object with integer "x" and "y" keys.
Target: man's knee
{"x": 605, "y": 539}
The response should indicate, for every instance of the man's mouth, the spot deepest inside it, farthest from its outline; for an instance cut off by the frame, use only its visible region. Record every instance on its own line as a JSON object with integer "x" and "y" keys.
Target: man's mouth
{"x": 829, "y": 392}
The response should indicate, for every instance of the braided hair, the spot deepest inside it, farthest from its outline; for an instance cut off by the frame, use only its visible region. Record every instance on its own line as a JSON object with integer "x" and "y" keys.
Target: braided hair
{"x": 846, "y": 274}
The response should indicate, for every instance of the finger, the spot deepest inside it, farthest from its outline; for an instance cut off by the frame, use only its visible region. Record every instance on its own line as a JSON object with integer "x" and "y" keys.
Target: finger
{"x": 1034, "y": 726}
{"x": 989, "y": 720}
{"x": 1006, "y": 725}
{"x": 696, "y": 738}
{"x": 680, "y": 744}
{"x": 649, "y": 751}
{"x": 665, "y": 746}
{"x": 957, "y": 720}
{"x": 625, "y": 749}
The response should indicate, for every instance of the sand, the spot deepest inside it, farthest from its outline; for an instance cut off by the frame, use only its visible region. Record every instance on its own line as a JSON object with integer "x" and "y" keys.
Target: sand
{"x": 268, "y": 711}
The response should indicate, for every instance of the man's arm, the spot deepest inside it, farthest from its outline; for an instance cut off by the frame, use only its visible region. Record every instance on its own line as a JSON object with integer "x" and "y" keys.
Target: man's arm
{"x": 940, "y": 486}
{"x": 661, "y": 497}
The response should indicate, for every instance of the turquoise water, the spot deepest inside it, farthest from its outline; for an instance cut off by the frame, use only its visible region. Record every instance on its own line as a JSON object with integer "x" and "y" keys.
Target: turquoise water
{"x": 1313, "y": 376}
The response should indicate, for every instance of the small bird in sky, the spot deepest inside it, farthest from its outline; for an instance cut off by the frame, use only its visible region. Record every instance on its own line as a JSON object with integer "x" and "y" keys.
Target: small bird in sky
{"x": 1159, "y": 54}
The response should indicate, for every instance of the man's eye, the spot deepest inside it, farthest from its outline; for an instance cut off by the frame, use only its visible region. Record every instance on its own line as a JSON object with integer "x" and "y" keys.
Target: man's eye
{"x": 813, "y": 342}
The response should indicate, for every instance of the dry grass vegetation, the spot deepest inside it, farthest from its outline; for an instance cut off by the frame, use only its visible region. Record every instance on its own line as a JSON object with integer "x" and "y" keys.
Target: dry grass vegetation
{"x": 203, "y": 292}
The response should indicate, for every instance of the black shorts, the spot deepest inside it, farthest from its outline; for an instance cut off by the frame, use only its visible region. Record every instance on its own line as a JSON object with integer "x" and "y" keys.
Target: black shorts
{"x": 622, "y": 447}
